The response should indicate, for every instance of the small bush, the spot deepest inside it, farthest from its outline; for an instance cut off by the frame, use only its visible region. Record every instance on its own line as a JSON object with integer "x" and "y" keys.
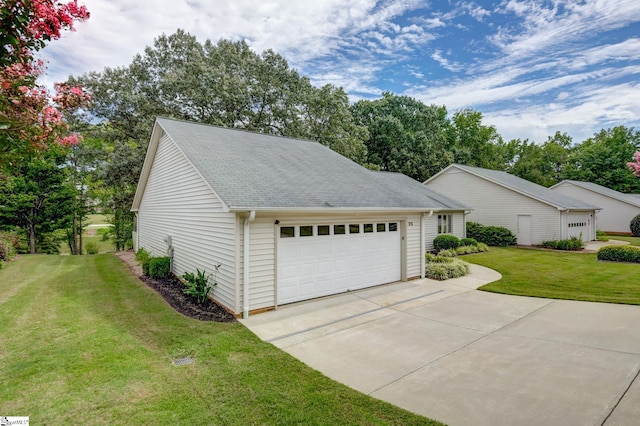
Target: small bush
{"x": 142, "y": 255}
{"x": 445, "y": 242}
{"x": 452, "y": 268}
{"x": 448, "y": 253}
{"x": 466, "y": 250}
{"x": 145, "y": 266}
{"x": 601, "y": 235}
{"x": 490, "y": 235}
{"x": 9, "y": 244}
{"x": 432, "y": 258}
{"x": 574, "y": 243}
{"x": 197, "y": 285}
{"x": 634, "y": 225}
{"x": 619, "y": 253}
{"x": 159, "y": 267}
{"x": 91, "y": 248}
{"x": 468, "y": 242}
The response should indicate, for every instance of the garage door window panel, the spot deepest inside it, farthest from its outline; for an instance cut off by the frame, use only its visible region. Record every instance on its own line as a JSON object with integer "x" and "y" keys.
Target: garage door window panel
{"x": 287, "y": 232}
{"x": 306, "y": 231}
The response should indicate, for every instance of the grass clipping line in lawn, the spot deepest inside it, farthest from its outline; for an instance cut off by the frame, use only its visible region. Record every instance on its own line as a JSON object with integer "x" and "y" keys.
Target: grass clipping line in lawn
{"x": 85, "y": 342}
{"x": 560, "y": 275}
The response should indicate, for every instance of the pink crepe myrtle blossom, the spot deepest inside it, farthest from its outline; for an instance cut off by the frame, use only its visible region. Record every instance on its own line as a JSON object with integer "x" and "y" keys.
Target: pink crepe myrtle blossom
{"x": 634, "y": 166}
{"x": 30, "y": 117}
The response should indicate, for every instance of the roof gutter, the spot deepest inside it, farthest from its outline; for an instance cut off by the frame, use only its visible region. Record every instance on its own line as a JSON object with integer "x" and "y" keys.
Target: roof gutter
{"x": 245, "y": 264}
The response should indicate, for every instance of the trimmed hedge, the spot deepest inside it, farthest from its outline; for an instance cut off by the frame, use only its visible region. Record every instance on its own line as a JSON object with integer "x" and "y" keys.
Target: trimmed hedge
{"x": 634, "y": 225}
{"x": 468, "y": 242}
{"x": 446, "y": 242}
{"x": 574, "y": 243}
{"x": 619, "y": 253}
{"x": 159, "y": 267}
{"x": 490, "y": 235}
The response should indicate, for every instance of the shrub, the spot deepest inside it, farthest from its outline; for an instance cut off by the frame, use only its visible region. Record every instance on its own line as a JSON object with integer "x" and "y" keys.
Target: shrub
{"x": 445, "y": 242}
{"x": 9, "y": 244}
{"x": 448, "y": 253}
{"x": 91, "y": 248}
{"x": 634, "y": 225}
{"x": 145, "y": 266}
{"x": 601, "y": 235}
{"x": 468, "y": 242}
{"x": 159, "y": 267}
{"x": 142, "y": 255}
{"x": 432, "y": 258}
{"x": 197, "y": 285}
{"x": 453, "y": 268}
{"x": 490, "y": 235}
{"x": 472, "y": 249}
{"x": 574, "y": 243}
{"x": 619, "y": 253}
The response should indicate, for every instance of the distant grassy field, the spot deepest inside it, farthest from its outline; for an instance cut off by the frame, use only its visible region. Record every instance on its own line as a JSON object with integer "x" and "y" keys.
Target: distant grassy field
{"x": 560, "y": 275}
{"x": 92, "y": 234}
{"x": 84, "y": 342}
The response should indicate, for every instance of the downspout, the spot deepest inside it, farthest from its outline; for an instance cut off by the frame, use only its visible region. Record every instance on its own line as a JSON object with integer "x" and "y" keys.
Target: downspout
{"x": 245, "y": 265}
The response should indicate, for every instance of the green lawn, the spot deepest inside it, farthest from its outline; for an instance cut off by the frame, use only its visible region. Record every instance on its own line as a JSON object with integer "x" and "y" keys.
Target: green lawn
{"x": 560, "y": 275}
{"x": 634, "y": 241}
{"x": 84, "y": 342}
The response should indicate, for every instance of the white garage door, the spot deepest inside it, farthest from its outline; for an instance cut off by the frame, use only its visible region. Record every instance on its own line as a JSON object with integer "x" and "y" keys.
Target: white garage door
{"x": 319, "y": 260}
{"x": 578, "y": 225}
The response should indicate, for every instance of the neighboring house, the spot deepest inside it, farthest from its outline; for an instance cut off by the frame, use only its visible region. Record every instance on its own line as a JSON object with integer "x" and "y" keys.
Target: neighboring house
{"x": 617, "y": 208}
{"x": 287, "y": 219}
{"x": 532, "y": 212}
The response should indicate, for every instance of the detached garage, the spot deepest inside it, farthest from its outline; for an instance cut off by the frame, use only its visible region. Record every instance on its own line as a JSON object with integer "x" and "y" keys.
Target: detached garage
{"x": 287, "y": 219}
{"x": 618, "y": 209}
{"x": 532, "y": 212}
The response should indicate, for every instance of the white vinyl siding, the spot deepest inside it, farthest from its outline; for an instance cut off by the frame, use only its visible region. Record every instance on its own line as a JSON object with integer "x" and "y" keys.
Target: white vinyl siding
{"x": 431, "y": 228}
{"x": 496, "y": 205}
{"x": 262, "y": 262}
{"x": 177, "y": 203}
{"x": 414, "y": 251}
{"x": 615, "y": 215}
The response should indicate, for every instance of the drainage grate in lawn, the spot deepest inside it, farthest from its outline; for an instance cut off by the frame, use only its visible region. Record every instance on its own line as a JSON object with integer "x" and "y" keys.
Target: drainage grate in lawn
{"x": 183, "y": 361}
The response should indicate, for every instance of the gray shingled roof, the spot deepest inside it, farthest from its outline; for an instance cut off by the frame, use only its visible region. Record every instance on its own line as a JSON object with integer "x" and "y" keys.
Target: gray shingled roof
{"x": 633, "y": 199}
{"x": 531, "y": 189}
{"x": 256, "y": 171}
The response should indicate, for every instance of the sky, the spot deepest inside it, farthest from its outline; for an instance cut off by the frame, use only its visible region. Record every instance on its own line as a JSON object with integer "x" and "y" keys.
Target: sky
{"x": 531, "y": 67}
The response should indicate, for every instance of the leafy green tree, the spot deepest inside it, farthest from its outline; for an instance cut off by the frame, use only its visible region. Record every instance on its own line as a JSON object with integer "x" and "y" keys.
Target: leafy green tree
{"x": 542, "y": 164}
{"x": 224, "y": 84}
{"x": 81, "y": 164}
{"x": 473, "y": 143}
{"x": 37, "y": 197}
{"x": 405, "y": 135}
{"x": 602, "y": 159}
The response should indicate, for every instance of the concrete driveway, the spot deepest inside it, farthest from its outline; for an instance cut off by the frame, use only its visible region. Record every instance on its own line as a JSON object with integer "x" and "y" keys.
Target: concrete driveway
{"x": 465, "y": 357}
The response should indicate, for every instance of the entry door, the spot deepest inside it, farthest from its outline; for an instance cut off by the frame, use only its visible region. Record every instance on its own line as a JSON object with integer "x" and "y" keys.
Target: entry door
{"x": 524, "y": 230}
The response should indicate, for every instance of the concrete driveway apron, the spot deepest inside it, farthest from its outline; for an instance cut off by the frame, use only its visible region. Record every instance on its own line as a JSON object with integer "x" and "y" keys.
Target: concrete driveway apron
{"x": 466, "y": 357}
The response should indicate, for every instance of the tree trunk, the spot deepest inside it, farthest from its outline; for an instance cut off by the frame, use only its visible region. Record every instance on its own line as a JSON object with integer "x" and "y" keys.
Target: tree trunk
{"x": 32, "y": 236}
{"x": 75, "y": 235}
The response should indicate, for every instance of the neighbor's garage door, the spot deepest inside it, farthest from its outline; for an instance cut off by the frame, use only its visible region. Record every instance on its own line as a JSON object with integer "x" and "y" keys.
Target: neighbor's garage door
{"x": 578, "y": 225}
{"x": 319, "y": 260}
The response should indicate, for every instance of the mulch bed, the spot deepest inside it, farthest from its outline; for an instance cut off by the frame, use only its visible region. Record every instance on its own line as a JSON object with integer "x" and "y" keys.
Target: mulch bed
{"x": 171, "y": 290}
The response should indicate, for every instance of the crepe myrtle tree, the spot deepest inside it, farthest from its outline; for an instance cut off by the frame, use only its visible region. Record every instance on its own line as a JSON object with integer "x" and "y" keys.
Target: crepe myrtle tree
{"x": 30, "y": 116}
{"x": 634, "y": 165}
